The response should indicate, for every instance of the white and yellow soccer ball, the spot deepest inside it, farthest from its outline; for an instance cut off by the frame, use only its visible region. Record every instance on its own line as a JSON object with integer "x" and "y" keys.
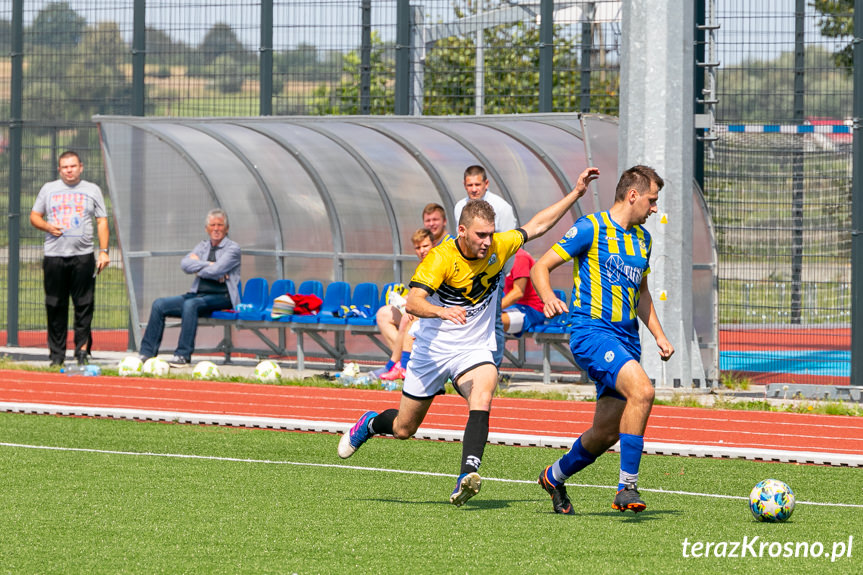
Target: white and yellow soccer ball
{"x": 156, "y": 366}
{"x": 268, "y": 370}
{"x": 130, "y": 365}
{"x": 771, "y": 501}
{"x": 206, "y": 370}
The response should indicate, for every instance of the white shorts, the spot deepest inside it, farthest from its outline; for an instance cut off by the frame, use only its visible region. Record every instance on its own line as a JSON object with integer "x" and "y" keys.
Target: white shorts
{"x": 427, "y": 374}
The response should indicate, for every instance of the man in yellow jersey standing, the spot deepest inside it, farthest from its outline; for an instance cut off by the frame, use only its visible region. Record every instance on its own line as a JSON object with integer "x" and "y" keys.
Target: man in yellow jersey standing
{"x": 611, "y": 255}
{"x": 453, "y": 292}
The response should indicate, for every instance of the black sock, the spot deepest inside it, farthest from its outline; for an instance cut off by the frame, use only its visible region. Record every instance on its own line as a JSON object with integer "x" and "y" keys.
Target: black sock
{"x": 383, "y": 422}
{"x": 473, "y": 443}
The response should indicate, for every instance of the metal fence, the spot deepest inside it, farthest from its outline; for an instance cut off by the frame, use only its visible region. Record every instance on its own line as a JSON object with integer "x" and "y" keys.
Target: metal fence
{"x": 778, "y": 183}
{"x": 780, "y": 201}
{"x": 239, "y": 58}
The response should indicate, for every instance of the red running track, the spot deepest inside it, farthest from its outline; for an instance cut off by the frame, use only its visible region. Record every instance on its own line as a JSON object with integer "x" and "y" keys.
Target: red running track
{"x": 534, "y": 417}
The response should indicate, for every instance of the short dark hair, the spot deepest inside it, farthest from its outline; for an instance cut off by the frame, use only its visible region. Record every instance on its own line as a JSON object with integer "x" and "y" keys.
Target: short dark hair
{"x": 70, "y": 154}
{"x": 476, "y": 209}
{"x": 638, "y": 177}
{"x": 475, "y": 170}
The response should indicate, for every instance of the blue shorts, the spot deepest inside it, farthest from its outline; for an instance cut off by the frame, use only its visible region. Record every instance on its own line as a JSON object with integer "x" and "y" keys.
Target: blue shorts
{"x": 601, "y": 355}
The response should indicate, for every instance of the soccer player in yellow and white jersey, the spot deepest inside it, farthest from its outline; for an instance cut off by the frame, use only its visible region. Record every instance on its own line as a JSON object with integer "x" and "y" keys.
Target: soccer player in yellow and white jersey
{"x": 611, "y": 254}
{"x": 453, "y": 292}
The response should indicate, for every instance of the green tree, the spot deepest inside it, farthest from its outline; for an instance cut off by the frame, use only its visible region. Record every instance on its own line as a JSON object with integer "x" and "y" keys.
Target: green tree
{"x": 345, "y": 98}
{"x": 763, "y": 91}
{"x": 221, "y": 40}
{"x": 97, "y": 81}
{"x": 5, "y": 34}
{"x": 57, "y": 25}
{"x": 228, "y": 74}
{"x": 837, "y": 21}
{"x": 511, "y": 72}
{"x": 162, "y": 50}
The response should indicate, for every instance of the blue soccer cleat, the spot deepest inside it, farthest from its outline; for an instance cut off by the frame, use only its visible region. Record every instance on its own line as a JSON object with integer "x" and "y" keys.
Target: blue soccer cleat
{"x": 466, "y": 486}
{"x": 358, "y": 434}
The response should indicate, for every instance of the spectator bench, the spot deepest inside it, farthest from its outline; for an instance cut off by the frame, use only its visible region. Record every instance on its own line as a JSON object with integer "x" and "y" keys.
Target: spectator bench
{"x": 330, "y": 330}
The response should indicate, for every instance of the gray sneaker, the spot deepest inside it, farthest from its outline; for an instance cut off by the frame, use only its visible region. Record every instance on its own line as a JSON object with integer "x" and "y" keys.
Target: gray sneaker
{"x": 178, "y": 361}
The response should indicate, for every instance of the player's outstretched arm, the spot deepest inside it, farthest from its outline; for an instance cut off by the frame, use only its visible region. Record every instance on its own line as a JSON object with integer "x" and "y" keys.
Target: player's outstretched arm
{"x": 546, "y": 218}
{"x": 540, "y": 275}
{"x": 419, "y": 306}
{"x": 647, "y": 314}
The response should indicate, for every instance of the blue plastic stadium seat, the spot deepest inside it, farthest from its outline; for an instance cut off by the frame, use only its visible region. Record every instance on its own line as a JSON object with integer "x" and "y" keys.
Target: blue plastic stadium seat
{"x": 365, "y": 298}
{"x": 336, "y": 295}
{"x": 253, "y": 297}
{"x": 557, "y": 324}
{"x": 279, "y": 287}
{"x": 384, "y": 290}
{"x": 308, "y": 287}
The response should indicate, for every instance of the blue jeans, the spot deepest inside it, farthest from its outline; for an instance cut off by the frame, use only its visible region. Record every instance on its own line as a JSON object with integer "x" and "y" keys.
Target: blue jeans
{"x": 188, "y": 307}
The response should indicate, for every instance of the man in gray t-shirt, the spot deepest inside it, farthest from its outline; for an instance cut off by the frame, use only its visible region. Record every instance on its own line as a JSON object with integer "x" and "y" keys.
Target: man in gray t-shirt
{"x": 65, "y": 210}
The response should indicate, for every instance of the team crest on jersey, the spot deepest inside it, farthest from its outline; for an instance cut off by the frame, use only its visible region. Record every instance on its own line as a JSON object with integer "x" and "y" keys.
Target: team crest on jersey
{"x": 609, "y": 356}
{"x": 571, "y": 233}
{"x": 492, "y": 259}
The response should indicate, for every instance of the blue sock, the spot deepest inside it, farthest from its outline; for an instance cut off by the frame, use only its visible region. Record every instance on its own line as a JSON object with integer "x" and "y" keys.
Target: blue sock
{"x": 406, "y": 357}
{"x": 631, "y": 447}
{"x": 389, "y": 365}
{"x": 572, "y": 462}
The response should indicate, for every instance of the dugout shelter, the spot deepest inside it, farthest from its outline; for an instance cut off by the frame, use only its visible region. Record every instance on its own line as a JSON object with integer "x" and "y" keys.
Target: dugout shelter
{"x": 338, "y": 198}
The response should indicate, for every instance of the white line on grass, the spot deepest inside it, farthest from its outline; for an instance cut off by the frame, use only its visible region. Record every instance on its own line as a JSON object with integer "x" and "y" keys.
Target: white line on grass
{"x": 378, "y": 469}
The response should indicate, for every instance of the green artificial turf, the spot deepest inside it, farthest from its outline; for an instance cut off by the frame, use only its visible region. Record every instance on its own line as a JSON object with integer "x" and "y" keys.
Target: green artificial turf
{"x": 135, "y": 497}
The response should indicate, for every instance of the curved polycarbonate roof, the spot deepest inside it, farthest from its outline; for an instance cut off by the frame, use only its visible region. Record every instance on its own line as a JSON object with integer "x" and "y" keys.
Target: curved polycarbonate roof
{"x": 338, "y": 198}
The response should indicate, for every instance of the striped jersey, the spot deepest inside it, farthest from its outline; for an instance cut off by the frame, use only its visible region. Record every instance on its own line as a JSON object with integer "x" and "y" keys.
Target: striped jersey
{"x": 452, "y": 279}
{"x": 607, "y": 274}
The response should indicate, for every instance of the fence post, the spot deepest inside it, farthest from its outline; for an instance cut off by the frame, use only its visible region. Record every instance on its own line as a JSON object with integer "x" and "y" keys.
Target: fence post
{"x": 403, "y": 54}
{"x": 16, "y": 139}
{"x": 139, "y": 57}
{"x": 546, "y": 55}
{"x": 265, "y": 72}
{"x": 366, "y": 60}
{"x": 857, "y": 207}
{"x": 588, "y": 13}
{"x": 797, "y": 162}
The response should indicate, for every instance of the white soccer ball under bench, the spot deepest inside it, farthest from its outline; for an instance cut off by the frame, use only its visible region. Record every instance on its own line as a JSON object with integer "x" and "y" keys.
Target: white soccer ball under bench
{"x": 156, "y": 366}
{"x": 268, "y": 370}
{"x": 206, "y": 370}
{"x": 771, "y": 501}
{"x": 130, "y": 365}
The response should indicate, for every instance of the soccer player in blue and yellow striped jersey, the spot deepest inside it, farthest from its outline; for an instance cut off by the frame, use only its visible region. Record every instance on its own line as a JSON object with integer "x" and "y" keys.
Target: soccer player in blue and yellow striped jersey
{"x": 611, "y": 256}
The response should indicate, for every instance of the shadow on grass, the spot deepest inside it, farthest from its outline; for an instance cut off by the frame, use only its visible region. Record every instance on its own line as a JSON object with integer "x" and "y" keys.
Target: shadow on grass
{"x": 474, "y": 504}
{"x": 628, "y": 517}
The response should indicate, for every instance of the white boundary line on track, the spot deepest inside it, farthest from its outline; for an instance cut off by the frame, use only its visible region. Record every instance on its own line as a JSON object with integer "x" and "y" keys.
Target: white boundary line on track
{"x": 375, "y": 469}
{"x": 525, "y": 440}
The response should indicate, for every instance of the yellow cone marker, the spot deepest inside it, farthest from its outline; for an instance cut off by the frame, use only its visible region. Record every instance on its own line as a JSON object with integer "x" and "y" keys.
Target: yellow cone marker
{"x": 663, "y": 296}
{"x": 663, "y": 219}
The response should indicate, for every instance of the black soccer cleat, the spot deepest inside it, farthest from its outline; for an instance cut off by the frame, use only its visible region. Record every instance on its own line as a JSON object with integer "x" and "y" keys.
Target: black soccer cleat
{"x": 559, "y": 500}
{"x": 628, "y": 498}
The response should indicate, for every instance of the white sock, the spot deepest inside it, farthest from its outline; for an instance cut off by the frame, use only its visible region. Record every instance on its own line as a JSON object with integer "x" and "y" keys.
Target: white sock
{"x": 628, "y": 478}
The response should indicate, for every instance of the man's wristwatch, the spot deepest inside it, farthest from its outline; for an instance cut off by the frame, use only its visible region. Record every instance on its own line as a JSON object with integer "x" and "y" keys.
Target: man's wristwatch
{"x": 104, "y": 251}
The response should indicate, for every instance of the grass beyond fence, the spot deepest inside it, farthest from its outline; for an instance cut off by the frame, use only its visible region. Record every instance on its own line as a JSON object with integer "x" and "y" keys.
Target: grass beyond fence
{"x": 102, "y": 496}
